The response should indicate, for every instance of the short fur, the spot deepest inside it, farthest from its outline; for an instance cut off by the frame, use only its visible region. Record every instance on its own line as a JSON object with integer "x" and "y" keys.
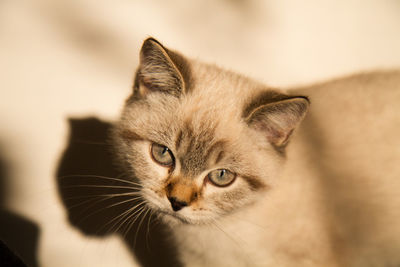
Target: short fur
{"x": 325, "y": 193}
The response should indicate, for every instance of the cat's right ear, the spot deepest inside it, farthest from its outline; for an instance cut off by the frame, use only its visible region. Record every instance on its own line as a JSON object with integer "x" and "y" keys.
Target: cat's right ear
{"x": 157, "y": 70}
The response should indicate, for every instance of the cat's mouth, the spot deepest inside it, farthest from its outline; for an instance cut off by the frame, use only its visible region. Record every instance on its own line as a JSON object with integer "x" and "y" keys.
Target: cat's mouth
{"x": 175, "y": 216}
{"x": 160, "y": 207}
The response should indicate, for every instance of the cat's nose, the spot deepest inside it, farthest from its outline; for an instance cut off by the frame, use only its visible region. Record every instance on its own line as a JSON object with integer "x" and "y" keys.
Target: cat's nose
{"x": 176, "y": 204}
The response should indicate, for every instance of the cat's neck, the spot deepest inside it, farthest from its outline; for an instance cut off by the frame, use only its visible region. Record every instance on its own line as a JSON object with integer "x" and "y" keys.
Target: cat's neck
{"x": 288, "y": 220}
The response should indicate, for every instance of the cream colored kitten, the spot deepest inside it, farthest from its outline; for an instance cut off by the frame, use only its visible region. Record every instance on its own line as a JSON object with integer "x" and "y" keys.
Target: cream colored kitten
{"x": 247, "y": 175}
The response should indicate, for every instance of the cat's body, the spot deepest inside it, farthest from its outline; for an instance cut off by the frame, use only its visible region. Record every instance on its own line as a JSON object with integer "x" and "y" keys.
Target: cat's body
{"x": 328, "y": 197}
{"x": 337, "y": 202}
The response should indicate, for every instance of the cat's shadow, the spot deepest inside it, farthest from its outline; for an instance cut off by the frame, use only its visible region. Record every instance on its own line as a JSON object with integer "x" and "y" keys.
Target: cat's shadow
{"x": 100, "y": 203}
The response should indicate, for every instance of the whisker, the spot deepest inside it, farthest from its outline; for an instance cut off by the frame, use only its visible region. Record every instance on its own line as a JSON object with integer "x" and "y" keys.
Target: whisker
{"x": 140, "y": 223}
{"x": 95, "y": 200}
{"x": 127, "y": 218}
{"x": 228, "y": 235}
{"x": 148, "y": 229}
{"x": 121, "y": 202}
{"x": 107, "y": 207}
{"x": 105, "y": 195}
{"x": 102, "y": 197}
{"x": 86, "y": 201}
{"x": 100, "y": 177}
{"x": 121, "y": 217}
{"x": 100, "y": 186}
{"x": 135, "y": 219}
{"x": 233, "y": 239}
{"x": 250, "y": 223}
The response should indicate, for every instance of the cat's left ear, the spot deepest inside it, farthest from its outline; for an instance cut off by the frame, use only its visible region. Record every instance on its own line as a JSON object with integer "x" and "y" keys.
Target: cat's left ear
{"x": 160, "y": 70}
{"x": 277, "y": 119}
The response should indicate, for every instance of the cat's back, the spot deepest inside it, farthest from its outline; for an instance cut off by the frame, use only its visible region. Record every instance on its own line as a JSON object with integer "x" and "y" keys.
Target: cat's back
{"x": 357, "y": 120}
{"x": 350, "y": 142}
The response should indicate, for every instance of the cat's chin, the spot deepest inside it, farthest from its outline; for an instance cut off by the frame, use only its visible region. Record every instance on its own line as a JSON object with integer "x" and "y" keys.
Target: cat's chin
{"x": 173, "y": 218}
{"x": 170, "y": 217}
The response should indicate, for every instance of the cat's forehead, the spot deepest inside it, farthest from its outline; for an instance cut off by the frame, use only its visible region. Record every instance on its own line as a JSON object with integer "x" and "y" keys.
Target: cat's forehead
{"x": 215, "y": 94}
{"x": 203, "y": 126}
{"x": 199, "y": 147}
{"x": 208, "y": 119}
{"x": 211, "y": 80}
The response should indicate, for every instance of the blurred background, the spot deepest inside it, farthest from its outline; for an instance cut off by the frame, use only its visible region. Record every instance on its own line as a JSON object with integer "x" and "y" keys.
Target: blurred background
{"x": 62, "y": 59}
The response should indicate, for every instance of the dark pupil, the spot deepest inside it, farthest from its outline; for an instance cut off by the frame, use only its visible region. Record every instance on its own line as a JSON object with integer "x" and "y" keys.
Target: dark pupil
{"x": 221, "y": 173}
{"x": 164, "y": 150}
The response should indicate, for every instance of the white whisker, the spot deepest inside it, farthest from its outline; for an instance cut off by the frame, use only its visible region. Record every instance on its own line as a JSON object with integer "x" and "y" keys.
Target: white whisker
{"x": 101, "y": 186}
{"x": 236, "y": 242}
{"x": 140, "y": 223}
{"x": 121, "y": 217}
{"x": 137, "y": 214}
{"x": 107, "y": 207}
{"x": 148, "y": 228}
{"x": 100, "y": 177}
{"x": 105, "y": 195}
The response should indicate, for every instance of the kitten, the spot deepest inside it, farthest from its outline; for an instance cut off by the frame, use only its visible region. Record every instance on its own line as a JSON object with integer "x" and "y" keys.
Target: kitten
{"x": 247, "y": 175}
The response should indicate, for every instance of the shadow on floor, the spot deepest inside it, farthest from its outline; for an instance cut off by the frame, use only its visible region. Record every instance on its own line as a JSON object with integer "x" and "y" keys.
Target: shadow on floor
{"x": 18, "y": 235}
{"x": 99, "y": 206}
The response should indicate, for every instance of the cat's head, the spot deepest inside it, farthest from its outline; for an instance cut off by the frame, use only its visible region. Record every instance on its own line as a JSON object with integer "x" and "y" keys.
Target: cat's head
{"x": 203, "y": 142}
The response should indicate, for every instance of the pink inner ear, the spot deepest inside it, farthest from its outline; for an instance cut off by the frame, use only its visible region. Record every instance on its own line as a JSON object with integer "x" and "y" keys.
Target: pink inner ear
{"x": 277, "y": 121}
{"x": 285, "y": 140}
{"x": 275, "y": 135}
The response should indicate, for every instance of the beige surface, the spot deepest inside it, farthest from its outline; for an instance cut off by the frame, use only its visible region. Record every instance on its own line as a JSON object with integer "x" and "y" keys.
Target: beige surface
{"x": 71, "y": 58}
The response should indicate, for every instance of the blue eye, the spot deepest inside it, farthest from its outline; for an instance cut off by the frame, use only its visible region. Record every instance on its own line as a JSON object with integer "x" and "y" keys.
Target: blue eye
{"x": 162, "y": 155}
{"x": 221, "y": 177}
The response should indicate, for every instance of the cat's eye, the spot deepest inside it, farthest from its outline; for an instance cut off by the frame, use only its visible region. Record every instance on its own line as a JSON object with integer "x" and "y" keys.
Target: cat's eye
{"x": 221, "y": 177}
{"x": 162, "y": 155}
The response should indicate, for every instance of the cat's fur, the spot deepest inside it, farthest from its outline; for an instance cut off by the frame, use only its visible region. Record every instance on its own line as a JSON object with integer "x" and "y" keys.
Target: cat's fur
{"x": 317, "y": 184}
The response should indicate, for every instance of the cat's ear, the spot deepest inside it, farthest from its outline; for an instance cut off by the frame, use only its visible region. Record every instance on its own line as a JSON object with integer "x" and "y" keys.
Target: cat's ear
{"x": 159, "y": 70}
{"x": 277, "y": 119}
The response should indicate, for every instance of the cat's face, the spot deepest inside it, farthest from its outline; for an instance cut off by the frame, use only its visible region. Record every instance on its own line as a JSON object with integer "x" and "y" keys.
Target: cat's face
{"x": 202, "y": 142}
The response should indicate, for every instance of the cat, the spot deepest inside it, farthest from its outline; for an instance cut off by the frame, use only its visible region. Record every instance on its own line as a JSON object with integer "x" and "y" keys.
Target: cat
{"x": 248, "y": 175}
